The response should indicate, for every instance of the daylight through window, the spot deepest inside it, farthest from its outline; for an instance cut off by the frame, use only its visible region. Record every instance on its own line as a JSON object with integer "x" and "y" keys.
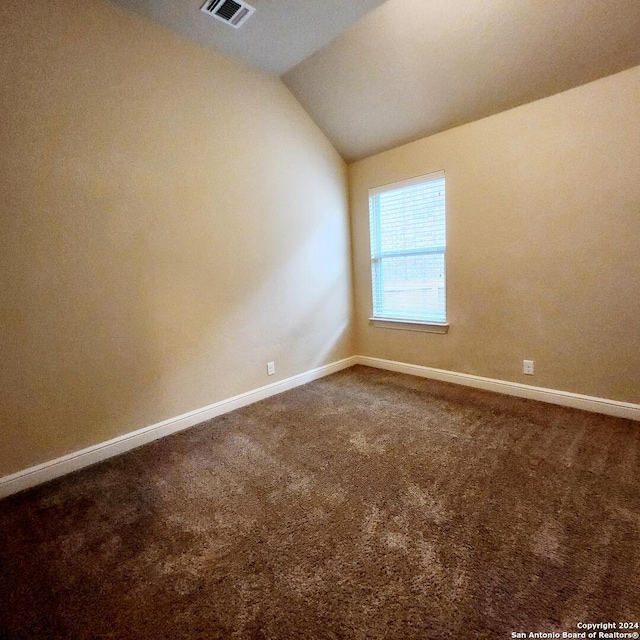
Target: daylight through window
{"x": 408, "y": 242}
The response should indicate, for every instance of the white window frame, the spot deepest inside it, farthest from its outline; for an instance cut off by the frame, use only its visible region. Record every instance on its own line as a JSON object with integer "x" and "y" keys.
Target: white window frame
{"x": 377, "y": 254}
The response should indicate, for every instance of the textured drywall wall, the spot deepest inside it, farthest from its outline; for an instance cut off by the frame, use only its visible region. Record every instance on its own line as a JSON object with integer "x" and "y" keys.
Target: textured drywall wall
{"x": 170, "y": 221}
{"x": 543, "y": 243}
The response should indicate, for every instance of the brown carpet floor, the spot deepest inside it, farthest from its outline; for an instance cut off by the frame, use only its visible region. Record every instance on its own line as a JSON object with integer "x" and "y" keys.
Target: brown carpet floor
{"x": 364, "y": 505}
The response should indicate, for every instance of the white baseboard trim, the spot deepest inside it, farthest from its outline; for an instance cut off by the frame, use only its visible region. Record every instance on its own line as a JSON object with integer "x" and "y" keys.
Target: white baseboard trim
{"x": 77, "y": 460}
{"x": 563, "y": 398}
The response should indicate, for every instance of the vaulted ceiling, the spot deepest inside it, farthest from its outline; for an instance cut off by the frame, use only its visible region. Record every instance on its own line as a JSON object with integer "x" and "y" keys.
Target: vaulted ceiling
{"x": 376, "y": 74}
{"x": 280, "y": 35}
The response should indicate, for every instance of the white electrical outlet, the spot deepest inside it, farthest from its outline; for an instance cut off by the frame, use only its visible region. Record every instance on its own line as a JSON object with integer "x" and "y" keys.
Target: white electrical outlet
{"x": 271, "y": 368}
{"x": 527, "y": 367}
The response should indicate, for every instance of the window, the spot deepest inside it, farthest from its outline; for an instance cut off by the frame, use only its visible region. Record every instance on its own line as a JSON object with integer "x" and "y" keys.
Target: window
{"x": 408, "y": 242}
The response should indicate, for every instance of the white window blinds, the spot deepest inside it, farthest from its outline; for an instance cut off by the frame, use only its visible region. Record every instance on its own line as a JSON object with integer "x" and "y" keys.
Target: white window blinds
{"x": 408, "y": 242}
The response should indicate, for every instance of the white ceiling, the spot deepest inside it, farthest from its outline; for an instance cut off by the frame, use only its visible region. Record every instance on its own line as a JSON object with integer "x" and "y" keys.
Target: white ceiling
{"x": 376, "y": 74}
{"x": 279, "y": 35}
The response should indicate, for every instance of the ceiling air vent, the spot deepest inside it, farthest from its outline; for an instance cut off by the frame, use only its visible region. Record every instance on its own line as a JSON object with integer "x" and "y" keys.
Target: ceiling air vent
{"x": 233, "y": 12}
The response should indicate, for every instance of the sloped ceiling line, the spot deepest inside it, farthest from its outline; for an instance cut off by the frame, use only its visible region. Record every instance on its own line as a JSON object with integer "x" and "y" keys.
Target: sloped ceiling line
{"x": 374, "y": 75}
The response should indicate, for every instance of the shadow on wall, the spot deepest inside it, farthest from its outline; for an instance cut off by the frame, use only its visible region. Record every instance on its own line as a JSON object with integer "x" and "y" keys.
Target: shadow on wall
{"x": 296, "y": 313}
{"x": 106, "y": 334}
{"x": 159, "y": 244}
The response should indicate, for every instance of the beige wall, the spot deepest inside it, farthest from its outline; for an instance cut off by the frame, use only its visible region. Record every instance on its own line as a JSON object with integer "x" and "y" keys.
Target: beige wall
{"x": 543, "y": 243}
{"x": 170, "y": 221}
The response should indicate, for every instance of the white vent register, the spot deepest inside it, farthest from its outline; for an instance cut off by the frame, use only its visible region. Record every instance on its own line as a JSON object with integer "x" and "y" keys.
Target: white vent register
{"x": 233, "y": 12}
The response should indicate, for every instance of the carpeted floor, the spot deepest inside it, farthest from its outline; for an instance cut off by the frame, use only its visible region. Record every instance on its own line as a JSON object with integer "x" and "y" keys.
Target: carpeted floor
{"x": 364, "y": 505}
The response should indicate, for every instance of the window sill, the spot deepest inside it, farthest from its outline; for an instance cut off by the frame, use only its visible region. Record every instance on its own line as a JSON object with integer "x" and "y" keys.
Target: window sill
{"x": 410, "y": 325}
